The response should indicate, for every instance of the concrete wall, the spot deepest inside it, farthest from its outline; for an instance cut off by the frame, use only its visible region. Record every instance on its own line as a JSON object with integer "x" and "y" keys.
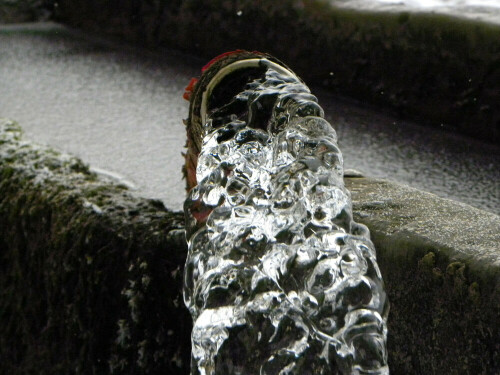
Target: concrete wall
{"x": 440, "y": 70}
{"x": 91, "y": 276}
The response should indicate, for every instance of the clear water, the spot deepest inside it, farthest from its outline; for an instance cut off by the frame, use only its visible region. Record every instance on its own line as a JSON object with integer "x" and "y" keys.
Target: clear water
{"x": 278, "y": 278}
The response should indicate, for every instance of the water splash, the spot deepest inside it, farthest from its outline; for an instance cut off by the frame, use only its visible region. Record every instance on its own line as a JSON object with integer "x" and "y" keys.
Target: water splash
{"x": 279, "y": 279}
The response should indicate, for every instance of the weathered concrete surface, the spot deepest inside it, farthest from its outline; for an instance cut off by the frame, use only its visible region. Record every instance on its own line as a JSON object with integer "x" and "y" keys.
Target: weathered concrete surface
{"x": 90, "y": 276}
{"x": 441, "y": 264}
{"x": 431, "y": 66}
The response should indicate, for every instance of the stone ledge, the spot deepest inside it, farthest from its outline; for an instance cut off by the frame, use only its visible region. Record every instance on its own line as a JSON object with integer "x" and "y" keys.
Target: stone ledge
{"x": 397, "y": 213}
{"x": 90, "y": 277}
{"x": 441, "y": 265}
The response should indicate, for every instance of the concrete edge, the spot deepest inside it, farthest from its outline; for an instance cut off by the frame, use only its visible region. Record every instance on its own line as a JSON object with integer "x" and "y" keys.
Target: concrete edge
{"x": 91, "y": 276}
{"x": 398, "y": 212}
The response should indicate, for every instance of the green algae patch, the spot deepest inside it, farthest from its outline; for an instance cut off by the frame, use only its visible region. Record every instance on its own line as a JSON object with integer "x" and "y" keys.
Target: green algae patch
{"x": 441, "y": 265}
{"x": 438, "y": 69}
{"x": 90, "y": 276}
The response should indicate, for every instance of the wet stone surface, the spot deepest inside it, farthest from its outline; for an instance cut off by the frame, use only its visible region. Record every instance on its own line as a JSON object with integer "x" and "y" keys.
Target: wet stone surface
{"x": 279, "y": 278}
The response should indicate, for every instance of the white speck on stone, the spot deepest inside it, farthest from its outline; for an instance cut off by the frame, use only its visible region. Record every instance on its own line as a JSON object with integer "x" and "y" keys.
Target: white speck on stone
{"x": 93, "y": 206}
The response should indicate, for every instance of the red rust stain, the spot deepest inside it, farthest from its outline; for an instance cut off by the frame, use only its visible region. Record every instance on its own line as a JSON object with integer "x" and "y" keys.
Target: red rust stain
{"x": 188, "y": 91}
{"x": 200, "y": 212}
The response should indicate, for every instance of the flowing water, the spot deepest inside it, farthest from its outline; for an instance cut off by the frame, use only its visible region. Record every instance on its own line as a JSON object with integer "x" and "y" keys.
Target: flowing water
{"x": 279, "y": 279}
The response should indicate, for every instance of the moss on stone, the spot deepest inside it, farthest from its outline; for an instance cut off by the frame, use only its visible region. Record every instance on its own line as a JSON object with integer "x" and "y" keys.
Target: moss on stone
{"x": 90, "y": 276}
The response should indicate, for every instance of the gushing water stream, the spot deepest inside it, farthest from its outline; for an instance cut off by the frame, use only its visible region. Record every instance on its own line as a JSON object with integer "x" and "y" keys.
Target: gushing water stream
{"x": 279, "y": 279}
